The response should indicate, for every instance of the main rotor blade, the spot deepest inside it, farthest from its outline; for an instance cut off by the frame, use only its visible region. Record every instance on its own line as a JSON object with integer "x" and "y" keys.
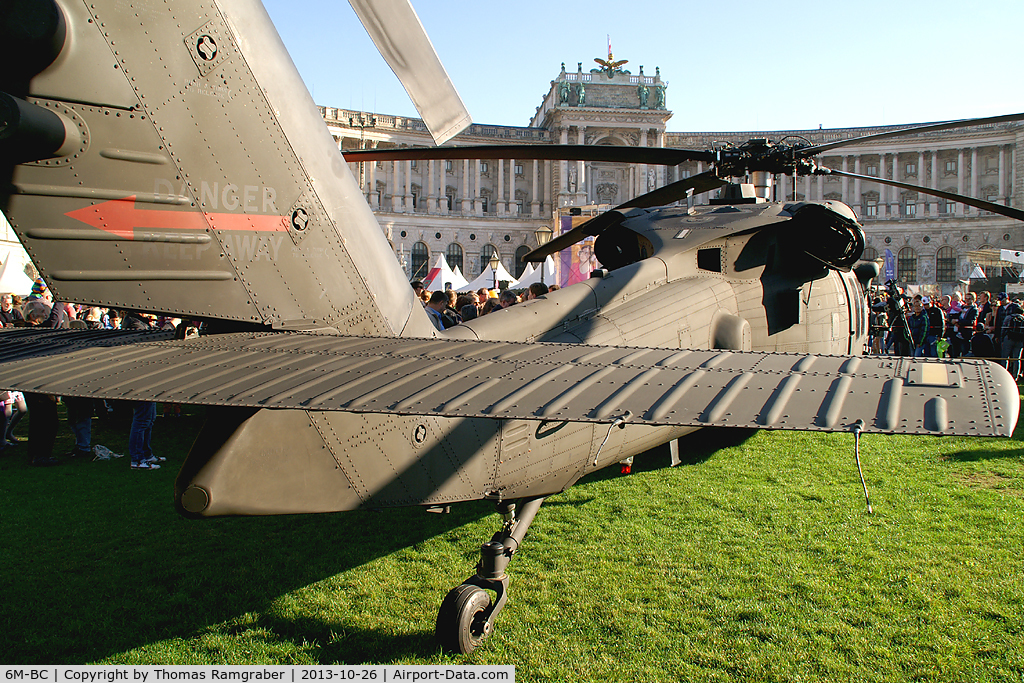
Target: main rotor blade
{"x": 969, "y": 201}
{"x": 928, "y": 128}
{"x": 398, "y": 34}
{"x": 661, "y": 156}
{"x": 595, "y": 226}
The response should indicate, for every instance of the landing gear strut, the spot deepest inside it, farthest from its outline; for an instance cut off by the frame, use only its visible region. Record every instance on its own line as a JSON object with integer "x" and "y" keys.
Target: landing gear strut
{"x": 467, "y": 614}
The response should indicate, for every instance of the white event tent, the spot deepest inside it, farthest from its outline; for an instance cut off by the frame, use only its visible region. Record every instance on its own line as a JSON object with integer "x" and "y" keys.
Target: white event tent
{"x": 486, "y": 280}
{"x": 440, "y": 275}
{"x": 13, "y": 279}
{"x": 531, "y": 275}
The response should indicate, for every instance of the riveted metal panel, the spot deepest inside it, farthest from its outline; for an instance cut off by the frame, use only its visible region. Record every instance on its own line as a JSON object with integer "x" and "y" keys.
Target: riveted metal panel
{"x": 542, "y": 381}
{"x": 396, "y": 460}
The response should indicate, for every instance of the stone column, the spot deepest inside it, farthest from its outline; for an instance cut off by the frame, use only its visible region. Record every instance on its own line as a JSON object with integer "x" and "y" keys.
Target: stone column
{"x": 478, "y": 204}
{"x": 844, "y": 184}
{"x": 466, "y": 203}
{"x": 408, "y": 187}
{"x": 534, "y": 203}
{"x": 547, "y": 186}
{"x": 563, "y": 165}
{"x": 858, "y": 201}
{"x": 922, "y": 207}
{"x": 371, "y": 181}
{"x": 581, "y": 180}
{"x": 934, "y": 201}
{"x": 960, "y": 180}
{"x": 429, "y": 189}
{"x": 883, "y": 195}
{"x": 974, "y": 178}
{"x": 396, "y": 202}
{"x": 1002, "y": 175}
{"x": 782, "y": 187}
{"x": 642, "y": 168}
{"x": 502, "y": 207}
{"x": 661, "y": 170}
{"x": 511, "y": 186}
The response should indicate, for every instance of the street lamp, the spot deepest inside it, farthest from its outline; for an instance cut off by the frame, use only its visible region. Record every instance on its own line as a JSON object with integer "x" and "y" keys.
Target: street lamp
{"x": 543, "y": 235}
{"x": 494, "y": 263}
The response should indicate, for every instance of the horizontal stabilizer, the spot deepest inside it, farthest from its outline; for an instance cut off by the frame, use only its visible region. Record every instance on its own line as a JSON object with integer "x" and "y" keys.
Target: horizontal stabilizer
{"x": 555, "y": 382}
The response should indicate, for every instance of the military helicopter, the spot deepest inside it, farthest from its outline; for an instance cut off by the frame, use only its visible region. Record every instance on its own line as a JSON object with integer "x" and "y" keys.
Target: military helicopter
{"x": 170, "y": 159}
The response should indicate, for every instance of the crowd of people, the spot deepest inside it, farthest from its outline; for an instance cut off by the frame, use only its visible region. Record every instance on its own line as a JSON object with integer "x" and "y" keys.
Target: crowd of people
{"x": 950, "y": 326}
{"x": 448, "y": 308}
{"x": 39, "y": 310}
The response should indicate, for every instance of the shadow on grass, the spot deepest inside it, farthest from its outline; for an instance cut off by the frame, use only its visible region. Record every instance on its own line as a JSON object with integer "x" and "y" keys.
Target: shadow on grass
{"x": 979, "y": 456}
{"x": 96, "y": 561}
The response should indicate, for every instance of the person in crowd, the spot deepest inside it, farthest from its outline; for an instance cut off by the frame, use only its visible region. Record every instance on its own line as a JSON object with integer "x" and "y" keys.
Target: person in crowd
{"x": 144, "y": 413}
{"x": 451, "y": 312}
{"x": 14, "y": 409}
{"x": 537, "y": 290}
{"x": 42, "y": 408}
{"x": 936, "y": 327}
{"x": 1012, "y": 335}
{"x": 464, "y": 304}
{"x": 8, "y": 313}
{"x": 918, "y": 323}
{"x": 966, "y": 322}
{"x": 93, "y": 318}
{"x": 552, "y": 288}
{"x": 490, "y": 305}
{"x": 40, "y": 291}
{"x": 898, "y": 316}
{"x": 417, "y": 288}
{"x": 508, "y": 299}
{"x": 436, "y": 305}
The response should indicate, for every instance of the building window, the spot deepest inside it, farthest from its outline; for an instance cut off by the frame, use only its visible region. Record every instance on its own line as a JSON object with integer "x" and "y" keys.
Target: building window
{"x": 420, "y": 261}
{"x": 951, "y": 167}
{"x": 871, "y": 208}
{"x": 911, "y": 169}
{"x": 870, "y": 254}
{"x": 948, "y": 207}
{"x": 909, "y": 205}
{"x": 519, "y": 170}
{"x": 448, "y": 165}
{"x": 871, "y": 170}
{"x": 485, "y": 257}
{"x": 945, "y": 265}
{"x": 520, "y": 264}
{"x": 454, "y": 256}
{"x": 415, "y": 198}
{"x": 483, "y": 167}
{"x": 413, "y": 164}
{"x": 906, "y": 265}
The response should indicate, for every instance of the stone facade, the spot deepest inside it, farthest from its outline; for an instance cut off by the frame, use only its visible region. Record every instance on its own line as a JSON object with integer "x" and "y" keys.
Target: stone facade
{"x": 465, "y": 208}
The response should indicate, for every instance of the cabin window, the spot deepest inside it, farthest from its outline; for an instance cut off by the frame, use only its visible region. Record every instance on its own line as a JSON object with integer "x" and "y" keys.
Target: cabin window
{"x": 710, "y": 259}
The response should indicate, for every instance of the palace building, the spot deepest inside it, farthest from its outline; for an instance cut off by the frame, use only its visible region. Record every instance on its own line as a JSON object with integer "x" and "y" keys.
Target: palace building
{"x": 467, "y": 209}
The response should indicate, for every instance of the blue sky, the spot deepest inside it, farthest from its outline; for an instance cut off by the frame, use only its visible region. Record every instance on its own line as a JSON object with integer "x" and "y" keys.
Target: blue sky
{"x": 765, "y": 65}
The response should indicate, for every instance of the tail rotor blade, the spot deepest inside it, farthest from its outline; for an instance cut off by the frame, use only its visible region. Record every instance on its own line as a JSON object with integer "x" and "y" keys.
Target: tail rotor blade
{"x": 398, "y": 34}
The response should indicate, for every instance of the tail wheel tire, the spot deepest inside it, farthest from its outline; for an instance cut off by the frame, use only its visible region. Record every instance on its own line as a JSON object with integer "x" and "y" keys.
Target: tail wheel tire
{"x": 461, "y": 621}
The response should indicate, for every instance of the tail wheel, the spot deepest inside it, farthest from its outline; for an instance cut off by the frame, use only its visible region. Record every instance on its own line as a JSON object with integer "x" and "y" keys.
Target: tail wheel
{"x": 462, "y": 620}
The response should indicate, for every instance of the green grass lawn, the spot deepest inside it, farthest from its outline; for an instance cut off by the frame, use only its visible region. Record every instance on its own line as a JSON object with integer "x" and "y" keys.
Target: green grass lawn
{"x": 757, "y": 562}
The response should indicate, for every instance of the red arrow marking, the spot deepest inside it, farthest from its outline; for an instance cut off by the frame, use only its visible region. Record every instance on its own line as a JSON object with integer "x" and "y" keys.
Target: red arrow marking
{"x": 121, "y": 218}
